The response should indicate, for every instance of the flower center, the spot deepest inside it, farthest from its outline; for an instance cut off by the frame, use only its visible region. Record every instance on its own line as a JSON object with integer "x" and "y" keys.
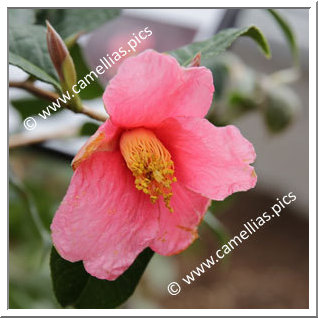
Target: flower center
{"x": 150, "y": 162}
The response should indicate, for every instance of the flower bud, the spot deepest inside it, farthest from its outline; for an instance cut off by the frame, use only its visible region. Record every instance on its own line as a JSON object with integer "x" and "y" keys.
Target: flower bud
{"x": 63, "y": 64}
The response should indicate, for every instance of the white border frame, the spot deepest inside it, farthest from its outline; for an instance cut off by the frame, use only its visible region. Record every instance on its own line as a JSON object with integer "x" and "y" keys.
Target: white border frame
{"x": 312, "y": 166}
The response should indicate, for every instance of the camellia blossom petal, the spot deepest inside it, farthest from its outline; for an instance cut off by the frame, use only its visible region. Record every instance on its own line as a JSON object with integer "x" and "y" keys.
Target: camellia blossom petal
{"x": 151, "y": 87}
{"x": 178, "y": 230}
{"x": 104, "y": 139}
{"x": 91, "y": 226}
{"x": 149, "y": 173}
{"x": 212, "y": 161}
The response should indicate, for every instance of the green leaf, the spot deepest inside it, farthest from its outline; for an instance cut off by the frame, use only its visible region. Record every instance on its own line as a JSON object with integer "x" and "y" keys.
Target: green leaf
{"x": 221, "y": 74}
{"x": 30, "y": 206}
{"x": 21, "y": 16}
{"x": 67, "y": 22}
{"x": 27, "y": 44}
{"x": 280, "y": 110}
{"x": 31, "y": 106}
{"x": 219, "y": 43}
{"x": 288, "y": 32}
{"x": 241, "y": 103}
{"x": 28, "y": 51}
{"x": 217, "y": 228}
{"x": 21, "y": 226}
{"x": 94, "y": 89}
{"x": 73, "y": 286}
{"x": 88, "y": 129}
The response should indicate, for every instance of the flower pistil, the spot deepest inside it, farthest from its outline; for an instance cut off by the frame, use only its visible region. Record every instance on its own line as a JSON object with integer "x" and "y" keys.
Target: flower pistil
{"x": 150, "y": 163}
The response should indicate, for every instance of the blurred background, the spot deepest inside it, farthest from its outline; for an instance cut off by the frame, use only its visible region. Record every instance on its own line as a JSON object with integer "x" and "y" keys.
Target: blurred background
{"x": 270, "y": 270}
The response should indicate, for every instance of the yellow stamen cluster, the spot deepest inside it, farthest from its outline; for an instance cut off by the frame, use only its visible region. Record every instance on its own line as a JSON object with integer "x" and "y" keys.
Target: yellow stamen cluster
{"x": 150, "y": 162}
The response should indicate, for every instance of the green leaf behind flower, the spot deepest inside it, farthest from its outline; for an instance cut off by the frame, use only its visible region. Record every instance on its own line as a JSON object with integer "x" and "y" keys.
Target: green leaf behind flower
{"x": 288, "y": 32}
{"x": 219, "y": 43}
{"x": 216, "y": 227}
{"x": 73, "y": 286}
{"x": 21, "y": 16}
{"x": 68, "y": 22}
{"x": 280, "y": 110}
{"x": 93, "y": 90}
{"x": 31, "y": 106}
{"x": 28, "y": 51}
{"x": 27, "y": 41}
{"x": 88, "y": 129}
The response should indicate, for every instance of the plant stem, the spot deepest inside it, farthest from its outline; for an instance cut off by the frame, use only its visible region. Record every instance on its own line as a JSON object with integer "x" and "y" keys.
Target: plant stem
{"x": 36, "y": 91}
{"x": 52, "y": 96}
{"x": 93, "y": 114}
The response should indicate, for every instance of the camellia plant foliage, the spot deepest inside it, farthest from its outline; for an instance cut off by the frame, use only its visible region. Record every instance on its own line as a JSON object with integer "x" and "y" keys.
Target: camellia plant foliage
{"x": 144, "y": 180}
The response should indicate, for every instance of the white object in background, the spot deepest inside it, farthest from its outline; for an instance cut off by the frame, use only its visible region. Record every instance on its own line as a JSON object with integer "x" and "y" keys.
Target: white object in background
{"x": 205, "y": 21}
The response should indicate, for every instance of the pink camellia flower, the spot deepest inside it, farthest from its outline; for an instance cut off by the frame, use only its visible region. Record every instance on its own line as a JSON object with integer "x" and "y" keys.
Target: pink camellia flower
{"x": 146, "y": 177}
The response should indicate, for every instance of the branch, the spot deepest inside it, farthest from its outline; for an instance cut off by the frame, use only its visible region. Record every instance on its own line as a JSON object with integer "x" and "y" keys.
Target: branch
{"x": 52, "y": 96}
{"x": 93, "y": 114}
{"x": 28, "y": 86}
